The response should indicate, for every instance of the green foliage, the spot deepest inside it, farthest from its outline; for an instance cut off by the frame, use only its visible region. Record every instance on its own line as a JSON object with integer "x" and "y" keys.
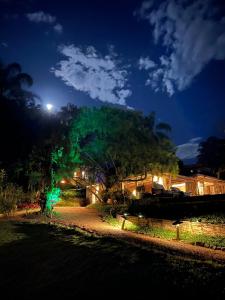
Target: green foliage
{"x": 52, "y": 198}
{"x": 155, "y": 232}
{"x": 68, "y": 194}
{"x": 112, "y": 221}
{"x": 198, "y": 239}
{"x": 69, "y": 202}
{"x": 112, "y": 144}
{"x": 205, "y": 240}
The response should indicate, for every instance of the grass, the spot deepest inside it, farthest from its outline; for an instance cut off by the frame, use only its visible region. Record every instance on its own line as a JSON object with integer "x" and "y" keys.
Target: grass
{"x": 41, "y": 259}
{"x": 204, "y": 240}
{"x": 216, "y": 218}
{"x": 68, "y": 202}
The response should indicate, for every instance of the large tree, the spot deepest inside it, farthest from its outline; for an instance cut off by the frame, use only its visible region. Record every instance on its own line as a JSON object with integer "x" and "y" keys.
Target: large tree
{"x": 112, "y": 144}
{"x": 53, "y": 131}
{"x": 17, "y": 112}
{"x": 212, "y": 155}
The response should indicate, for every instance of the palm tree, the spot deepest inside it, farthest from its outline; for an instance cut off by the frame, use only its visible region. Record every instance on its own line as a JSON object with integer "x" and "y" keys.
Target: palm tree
{"x": 160, "y": 130}
{"x": 165, "y": 160}
{"x": 12, "y": 83}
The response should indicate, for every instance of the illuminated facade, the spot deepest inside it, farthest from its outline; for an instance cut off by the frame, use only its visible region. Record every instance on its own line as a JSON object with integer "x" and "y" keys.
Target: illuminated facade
{"x": 192, "y": 185}
{"x": 195, "y": 185}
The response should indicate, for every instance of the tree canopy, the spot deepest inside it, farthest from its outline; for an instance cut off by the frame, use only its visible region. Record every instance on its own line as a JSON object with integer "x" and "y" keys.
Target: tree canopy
{"x": 212, "y": 155}
{"x": 113, "y": 144}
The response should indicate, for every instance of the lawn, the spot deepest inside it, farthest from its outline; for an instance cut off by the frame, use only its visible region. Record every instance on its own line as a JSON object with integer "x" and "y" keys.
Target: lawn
{"x": 41, "y": 259}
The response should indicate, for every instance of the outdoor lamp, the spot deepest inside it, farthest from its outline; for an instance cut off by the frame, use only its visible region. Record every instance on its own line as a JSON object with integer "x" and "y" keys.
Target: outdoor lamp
{"x": 140, "y": 216}
{"x": 124, "y": 220}
{"x": 177, "y": 224}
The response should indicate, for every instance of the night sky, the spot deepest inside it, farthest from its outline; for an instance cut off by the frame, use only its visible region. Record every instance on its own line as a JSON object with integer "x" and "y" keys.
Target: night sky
{"x": 162, "y": 56}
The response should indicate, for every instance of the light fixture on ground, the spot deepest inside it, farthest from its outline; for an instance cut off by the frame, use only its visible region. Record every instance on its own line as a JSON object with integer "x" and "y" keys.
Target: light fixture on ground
{"x": 124, "y": 220}
{"x": 177, "y": 224}
{"x": 140, "y": 216}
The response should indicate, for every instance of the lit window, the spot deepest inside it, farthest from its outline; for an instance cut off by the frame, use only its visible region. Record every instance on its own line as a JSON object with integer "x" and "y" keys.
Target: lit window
{"x": 134, "y": 193}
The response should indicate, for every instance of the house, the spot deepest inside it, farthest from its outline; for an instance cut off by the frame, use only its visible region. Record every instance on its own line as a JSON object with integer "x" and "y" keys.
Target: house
{"x": 197, "y": 184}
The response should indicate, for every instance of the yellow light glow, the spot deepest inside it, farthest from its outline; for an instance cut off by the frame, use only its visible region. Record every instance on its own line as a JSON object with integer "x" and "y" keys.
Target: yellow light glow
{"x": 180, "y": 186}
{"x": 158, "y": 179}
{"x": 97, "y": 188}
{"x": 134, "y": 193}
{"x": 63, "y": 181}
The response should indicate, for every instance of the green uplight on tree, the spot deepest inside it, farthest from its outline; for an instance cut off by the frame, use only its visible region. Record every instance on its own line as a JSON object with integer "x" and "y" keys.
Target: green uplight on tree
{"x": 53, "y": 196}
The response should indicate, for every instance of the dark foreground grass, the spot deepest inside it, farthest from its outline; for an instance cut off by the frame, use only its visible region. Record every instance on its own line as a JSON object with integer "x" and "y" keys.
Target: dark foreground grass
{"x": 38, "y": 260}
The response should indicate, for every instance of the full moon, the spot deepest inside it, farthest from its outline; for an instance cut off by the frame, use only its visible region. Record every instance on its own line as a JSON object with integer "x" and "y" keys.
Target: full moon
{"x": 49, "y": 106}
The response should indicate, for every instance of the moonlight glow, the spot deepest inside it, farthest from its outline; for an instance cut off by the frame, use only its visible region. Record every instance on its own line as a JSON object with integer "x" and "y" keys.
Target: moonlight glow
{"x": 49, "y": 106}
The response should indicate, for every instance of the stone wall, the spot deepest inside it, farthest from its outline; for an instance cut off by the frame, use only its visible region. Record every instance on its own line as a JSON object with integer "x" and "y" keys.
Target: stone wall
{"x": 186, "y": 226}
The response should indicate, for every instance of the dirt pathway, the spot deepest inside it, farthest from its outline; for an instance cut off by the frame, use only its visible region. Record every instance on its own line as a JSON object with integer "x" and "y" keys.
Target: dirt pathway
{"x": 90, "y": 220}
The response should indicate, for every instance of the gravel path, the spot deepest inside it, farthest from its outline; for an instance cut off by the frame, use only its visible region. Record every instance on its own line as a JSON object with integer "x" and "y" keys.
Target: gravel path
{"x": 90, "y": 220}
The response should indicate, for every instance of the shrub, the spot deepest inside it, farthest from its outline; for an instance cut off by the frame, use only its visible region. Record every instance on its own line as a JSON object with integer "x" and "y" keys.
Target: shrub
{"x": 116, "y": 196}
{"x": 84, "y": 202}
{"x": 9, "y": 197}
{"x": 110, "y": 210}
{"x": 73, "y": 193}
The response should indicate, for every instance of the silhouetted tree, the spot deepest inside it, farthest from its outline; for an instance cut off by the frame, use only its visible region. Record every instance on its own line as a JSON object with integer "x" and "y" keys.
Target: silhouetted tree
{"x": 212, "y": 155}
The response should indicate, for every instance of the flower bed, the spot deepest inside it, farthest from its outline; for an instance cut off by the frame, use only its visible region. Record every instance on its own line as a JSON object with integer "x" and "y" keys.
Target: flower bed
{"x": 28, "y": 206}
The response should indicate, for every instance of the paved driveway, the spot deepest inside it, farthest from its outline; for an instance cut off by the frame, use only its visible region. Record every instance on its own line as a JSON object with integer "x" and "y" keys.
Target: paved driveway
{"x": 90, "y": 220}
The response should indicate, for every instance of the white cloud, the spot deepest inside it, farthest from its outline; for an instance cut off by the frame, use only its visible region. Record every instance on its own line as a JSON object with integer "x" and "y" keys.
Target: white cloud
{"x": 58, "y": 28}
{"x": 190, "y": 37}
{"x": 189, "y": 150}
{"x": 41, "y": 17}
{"x": 99, "y": 76}
{"x": 145, "y": 63}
